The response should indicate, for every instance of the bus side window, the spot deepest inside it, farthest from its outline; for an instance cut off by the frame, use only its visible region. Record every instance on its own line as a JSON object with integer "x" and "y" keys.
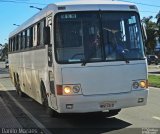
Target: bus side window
{"x": 49, "y": 28}
{"x": 31, "y": 37}
{"x": 38, "y": 34}
{"x": 46, "y": 35}
{"x": 35, "y": 35}
{"x": 10, "y": 44}
{"x": 19, "y": 41}
{"x": 23, "y": 39}
{"x": 42, "y": 25}
{"x": 28, "y": 38}
{"x": 14, "y": 44}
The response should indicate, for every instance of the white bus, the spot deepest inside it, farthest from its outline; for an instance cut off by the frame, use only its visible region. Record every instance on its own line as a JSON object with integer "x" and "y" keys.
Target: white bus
{"x": 81, "y": 57}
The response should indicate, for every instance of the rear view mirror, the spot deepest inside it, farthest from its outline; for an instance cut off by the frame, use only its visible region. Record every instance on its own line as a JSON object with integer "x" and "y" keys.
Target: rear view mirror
{"x": 144, "y": 32}
{"x": 46, "y": 35}
{"x": 144, "y": 35}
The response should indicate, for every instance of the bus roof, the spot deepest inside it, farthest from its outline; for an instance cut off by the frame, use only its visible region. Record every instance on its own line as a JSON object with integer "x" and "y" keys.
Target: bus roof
{"x": 82, "y": 2}
{"x": 76, "y": 5}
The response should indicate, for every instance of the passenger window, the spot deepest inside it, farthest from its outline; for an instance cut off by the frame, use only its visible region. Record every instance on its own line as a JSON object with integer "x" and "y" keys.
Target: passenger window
{"x": 31, "y": 37}
{"x": 35, "y": 35}
{"x": 28, "y": 38}
{"x": 38, "y": 34}
{"x": 23, "y": 40}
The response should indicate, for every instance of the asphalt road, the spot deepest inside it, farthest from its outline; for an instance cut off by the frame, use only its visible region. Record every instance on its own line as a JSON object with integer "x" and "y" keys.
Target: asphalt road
{"x": 30, "y": 114}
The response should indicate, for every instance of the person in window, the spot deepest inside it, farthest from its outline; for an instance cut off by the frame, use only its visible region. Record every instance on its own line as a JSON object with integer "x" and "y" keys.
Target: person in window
{"x": 94, "y": 47}
{"x": 114, "y": 48}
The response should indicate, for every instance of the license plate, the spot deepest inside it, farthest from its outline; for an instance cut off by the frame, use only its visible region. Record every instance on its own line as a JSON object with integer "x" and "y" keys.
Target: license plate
{"x": 107, "y": 104}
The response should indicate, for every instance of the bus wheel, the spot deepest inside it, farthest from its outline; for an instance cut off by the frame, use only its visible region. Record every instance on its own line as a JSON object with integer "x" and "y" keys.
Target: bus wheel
{"x": 18, "y": 88}
{"x": 111, "y": 113}
{"x": 49, "y": 111}
{"x": 106, "y": 114}
{"x": 20, "y": 93}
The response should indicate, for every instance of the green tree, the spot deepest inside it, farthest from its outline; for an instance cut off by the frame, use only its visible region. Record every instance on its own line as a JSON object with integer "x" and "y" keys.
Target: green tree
{"x": 158, "y": 24}
{"x": 4, "y": 53}
{"x": 158, "y": 17}
{"x": 152, "y": 33}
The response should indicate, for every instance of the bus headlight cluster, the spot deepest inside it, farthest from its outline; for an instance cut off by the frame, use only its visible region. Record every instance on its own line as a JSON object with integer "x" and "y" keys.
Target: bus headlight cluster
{"x": 68, "y": 89}
{"x": 140, "y": 84}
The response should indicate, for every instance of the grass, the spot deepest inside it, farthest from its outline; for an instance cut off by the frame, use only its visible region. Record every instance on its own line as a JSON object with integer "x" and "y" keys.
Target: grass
{"x": 154, "y": 80}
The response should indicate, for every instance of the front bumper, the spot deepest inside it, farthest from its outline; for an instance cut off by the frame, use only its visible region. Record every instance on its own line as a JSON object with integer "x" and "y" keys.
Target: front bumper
{"x": 85, "y": 104}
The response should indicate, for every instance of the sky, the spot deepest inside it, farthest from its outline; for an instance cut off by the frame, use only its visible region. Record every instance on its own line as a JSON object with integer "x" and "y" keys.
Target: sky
{"x": 18, "y": 11}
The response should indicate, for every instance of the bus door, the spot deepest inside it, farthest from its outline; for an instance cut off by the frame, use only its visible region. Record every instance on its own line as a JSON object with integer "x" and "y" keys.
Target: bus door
{"x": 53, "y": 99}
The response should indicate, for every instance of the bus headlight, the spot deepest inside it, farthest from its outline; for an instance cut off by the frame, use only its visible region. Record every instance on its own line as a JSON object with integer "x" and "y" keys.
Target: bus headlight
{"x": 140, "y": 84}
{"x": 76, "y": 89}
{"x": 67, "y": 90}
{"x": 143, "y": 84}
{"x": 135, "y": 84}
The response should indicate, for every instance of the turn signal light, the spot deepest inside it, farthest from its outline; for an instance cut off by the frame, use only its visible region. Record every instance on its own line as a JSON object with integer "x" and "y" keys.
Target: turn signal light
{"x": 59, "y": 89}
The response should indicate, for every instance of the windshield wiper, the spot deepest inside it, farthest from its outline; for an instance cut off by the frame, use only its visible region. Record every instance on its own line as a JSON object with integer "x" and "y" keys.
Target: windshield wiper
{"x": 84, "y": 62}
{"x": 126, "y": 60}
{"x": 124, "y": 52}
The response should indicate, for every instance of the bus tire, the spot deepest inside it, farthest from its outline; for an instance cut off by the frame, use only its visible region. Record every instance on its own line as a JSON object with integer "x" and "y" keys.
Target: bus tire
{"x": 106, "y": 114}
{"x": 18, "y": 87}
{"x": 111, "y": 113}
{"x": 49, "y": 111}
{"x": 14, "y": 79}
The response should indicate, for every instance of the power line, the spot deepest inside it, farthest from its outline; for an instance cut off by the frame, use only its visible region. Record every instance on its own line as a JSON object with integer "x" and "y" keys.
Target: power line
{"x": 148, "y": 11}
{"x": 144, "y": 4}
{"x": 25, "y": 2}
{"x": 21, "y": 2}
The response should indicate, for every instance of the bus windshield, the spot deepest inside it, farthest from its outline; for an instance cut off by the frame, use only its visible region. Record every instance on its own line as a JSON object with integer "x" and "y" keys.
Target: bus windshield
{"x": 97, "y": 37}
